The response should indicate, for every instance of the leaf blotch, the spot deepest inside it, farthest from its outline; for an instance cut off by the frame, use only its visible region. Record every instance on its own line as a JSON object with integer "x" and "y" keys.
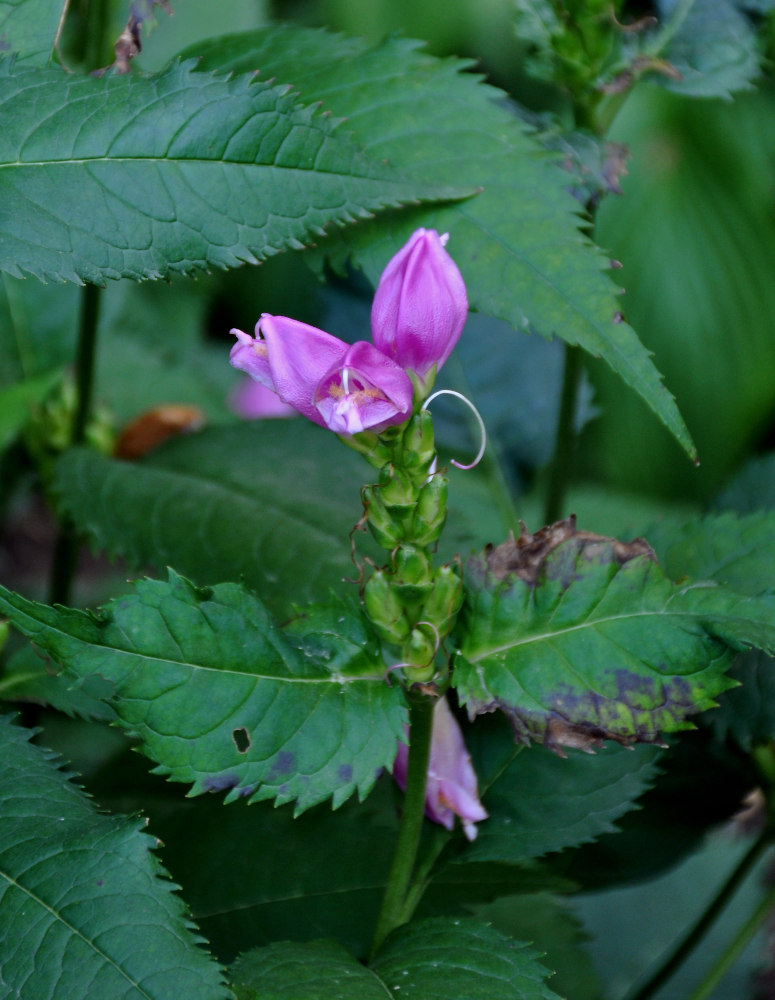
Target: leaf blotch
{"x": 220, "y": 782}
{"x": 526, "y": 556}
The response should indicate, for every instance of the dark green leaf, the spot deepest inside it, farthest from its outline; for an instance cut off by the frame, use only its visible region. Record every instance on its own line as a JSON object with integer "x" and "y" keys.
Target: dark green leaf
{"x": 539, "y": 802}
{"x": 84, "y": 910}
{"x": 752, "y": 489}
{"x": 551, "y": 926}
{"x": 747, "y": 713}
{"x": 578, "y": 638}
{"x": 221, "y": 699}
{"x": 229, "y": 503}
{"x": 317, "y": 970}
{"x": 30, "y": 677}
{"x": 272, "y": 502}
{"x": 714, "y": 48}
{"x": 737, "y": 552}
{"x": 441, "y": 958}
{"x": 517, "y": 243}
{"x": 429, "y": 960}
{"x": 30, "y": 28}
{"x": 138, "y": 177}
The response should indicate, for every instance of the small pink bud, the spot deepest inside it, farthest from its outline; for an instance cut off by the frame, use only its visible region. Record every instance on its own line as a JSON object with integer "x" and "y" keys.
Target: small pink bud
{"x": 420, "y": 305}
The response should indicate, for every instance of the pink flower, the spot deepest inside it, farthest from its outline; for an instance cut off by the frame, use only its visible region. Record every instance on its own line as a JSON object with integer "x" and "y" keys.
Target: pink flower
{"x": 451, "y": 789}
{"x": 347, "y": 388}
{"x": 418, "y": 312}
{"x": 420, "y": 305}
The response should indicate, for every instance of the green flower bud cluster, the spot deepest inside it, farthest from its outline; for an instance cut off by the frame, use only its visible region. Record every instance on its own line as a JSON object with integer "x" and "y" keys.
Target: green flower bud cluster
{"x": 50, "y": 428}
{"x": 412, "y": 604}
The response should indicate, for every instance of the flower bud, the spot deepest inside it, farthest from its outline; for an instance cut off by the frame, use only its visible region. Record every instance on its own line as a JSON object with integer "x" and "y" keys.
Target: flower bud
{"x": 384, "y": 609}
{"x": 386, "y": 530}
{"x": 430, "y": 512}
{"x": 444, "y": 601}
{"x": 420, "y": 306}
{"x": 417, "y": 654}
{"x": 419, "y": 446}
{"x": 412, "y": 574}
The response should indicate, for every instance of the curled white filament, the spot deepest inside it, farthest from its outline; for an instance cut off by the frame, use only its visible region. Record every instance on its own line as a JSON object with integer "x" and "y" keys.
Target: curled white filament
{"x": 476, "y": 413}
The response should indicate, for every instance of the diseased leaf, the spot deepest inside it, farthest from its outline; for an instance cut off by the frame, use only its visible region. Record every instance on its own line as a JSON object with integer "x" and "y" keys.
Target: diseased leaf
{"x": 517, "y": 243}
{"x": 139, "y": 177}
{"x": 220, "y": 698}
{"x": 428, "y": 960}
{"x": 580, "y": 638}
{"x": 29, "y": 28}
{"x": 85, "y": 912}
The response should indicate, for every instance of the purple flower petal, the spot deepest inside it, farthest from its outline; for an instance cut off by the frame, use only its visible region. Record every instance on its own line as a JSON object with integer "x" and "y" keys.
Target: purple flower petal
{"x": 364, "y": 391}
{"x": 420, "y": 305}
{"x": 451, "y": 789}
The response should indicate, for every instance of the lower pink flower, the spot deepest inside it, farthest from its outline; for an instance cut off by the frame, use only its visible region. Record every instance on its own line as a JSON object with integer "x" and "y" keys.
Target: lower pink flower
{"x": 348, "y": 388}
{"x": 451, "y": 789}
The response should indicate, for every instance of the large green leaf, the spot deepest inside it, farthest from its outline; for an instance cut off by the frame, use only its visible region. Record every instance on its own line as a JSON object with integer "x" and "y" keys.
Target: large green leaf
{"x": 139, "y": 177}
{"x": 578, "y": 638}
{"x": 272, "y": 502}
{"x": 517, "y": 243}
{"x": 30, "y": 27}
{"x": 282, "y": 891}
{"x": 221, "y": 699}
{"x": 85, "y": 912}
{"x": 429, "y": 960}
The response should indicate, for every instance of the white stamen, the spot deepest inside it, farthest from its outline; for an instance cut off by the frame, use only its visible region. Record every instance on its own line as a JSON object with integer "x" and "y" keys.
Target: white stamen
{"x": 476, "y": 413}
{"x": 345, "y": 381}
{"x": 444, "y": 239}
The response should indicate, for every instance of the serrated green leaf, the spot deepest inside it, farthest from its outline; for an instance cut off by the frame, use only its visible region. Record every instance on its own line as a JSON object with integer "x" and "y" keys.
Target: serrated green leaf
{"x": 598, "y": 643}
{"x": 221, "y": 699}
{"x": 552, "y": 927}
{"x": 539, "y": 803}
{"x": 517, "y": 243}
{"x": 84, "y": 909}
{"x": 439, "y": 958}
{"x": 30, "y": 27}
{"x": 139, "y": 177}
{"x": 429, "y": 960}
{"x": 714, "y": 49}
{"x": 738, "y": 552}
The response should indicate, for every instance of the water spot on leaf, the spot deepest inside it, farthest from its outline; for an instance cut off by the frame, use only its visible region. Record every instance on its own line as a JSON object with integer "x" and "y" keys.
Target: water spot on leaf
{"x": 241, "y": 739}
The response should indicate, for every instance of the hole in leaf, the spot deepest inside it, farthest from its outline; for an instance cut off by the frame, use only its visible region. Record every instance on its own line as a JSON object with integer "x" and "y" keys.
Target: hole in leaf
{"x": 241, "y": 739}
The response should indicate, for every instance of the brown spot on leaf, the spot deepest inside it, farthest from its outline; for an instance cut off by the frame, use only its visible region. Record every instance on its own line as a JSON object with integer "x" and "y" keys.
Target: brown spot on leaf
{"x": 526, "y": 556}
{"x": 155, "y": 426}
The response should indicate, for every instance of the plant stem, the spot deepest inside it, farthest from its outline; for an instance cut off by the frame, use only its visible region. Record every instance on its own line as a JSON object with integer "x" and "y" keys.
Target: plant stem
{"x": 67, "y": 545}
{"x": 706, "y": 919}
{"x": 559, "y": 471}
{"x": 391, "y": 913}
{"x": 735, "y": 948}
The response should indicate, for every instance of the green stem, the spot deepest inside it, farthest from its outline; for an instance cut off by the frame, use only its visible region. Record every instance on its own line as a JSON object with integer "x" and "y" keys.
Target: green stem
{"x": 559, "y": 470}
{"x": 67, "y": 545}
{"x": 706, "y": 919}
{"x": 735, "y": 948}
{"x": 391, "y": 914}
